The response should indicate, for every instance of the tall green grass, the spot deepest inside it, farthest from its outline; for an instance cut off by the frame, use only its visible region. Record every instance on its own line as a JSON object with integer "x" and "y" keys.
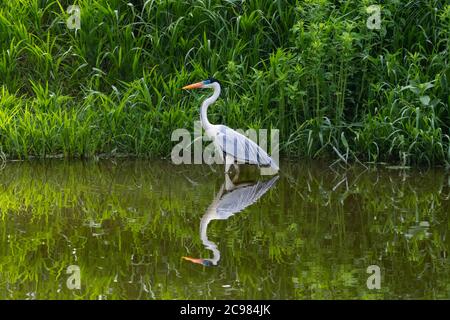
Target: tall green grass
{"x": 310, "y": 68}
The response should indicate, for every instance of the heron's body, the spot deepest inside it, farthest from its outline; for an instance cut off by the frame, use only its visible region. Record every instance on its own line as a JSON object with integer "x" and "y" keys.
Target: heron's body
{"x": 234, "y": 147}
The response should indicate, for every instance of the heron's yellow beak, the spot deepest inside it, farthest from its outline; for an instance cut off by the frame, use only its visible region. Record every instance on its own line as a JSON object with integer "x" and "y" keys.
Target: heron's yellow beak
{"x": 199, "y": 261}
{"x": 193, "y": 86}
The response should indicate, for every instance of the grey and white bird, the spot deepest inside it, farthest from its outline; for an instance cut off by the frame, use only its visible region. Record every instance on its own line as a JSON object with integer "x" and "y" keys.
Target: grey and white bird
{"x": 234, "y": 147}
{"x": 231, "y": 199}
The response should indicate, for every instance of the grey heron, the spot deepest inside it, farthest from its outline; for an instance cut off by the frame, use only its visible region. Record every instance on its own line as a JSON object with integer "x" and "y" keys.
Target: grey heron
{"x": 231, "y": 199}
{"x": 234, "y": 147}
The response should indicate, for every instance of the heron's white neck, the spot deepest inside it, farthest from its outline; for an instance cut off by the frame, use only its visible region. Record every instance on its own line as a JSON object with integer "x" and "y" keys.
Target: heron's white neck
{"x": 206, "y": 242}
{"x": 203, "y": 112}
{"x": 211, "y": 214}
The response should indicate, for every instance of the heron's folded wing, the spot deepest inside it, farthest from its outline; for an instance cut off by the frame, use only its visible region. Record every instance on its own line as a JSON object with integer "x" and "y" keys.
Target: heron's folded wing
{"x": 239, "y": 199}
{"x": 241, "y": 148}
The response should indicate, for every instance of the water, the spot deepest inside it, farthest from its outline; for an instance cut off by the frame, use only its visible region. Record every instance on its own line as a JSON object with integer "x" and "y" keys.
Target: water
{"x": 120, "y": 230}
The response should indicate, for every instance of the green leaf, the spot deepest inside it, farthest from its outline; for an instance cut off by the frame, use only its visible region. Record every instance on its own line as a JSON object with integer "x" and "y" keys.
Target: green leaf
{"x": 344, "y": 140}
{"x": 425, "y": 100}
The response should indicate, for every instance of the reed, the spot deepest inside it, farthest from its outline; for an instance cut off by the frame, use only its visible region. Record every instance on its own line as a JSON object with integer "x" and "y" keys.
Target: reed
{"x": 311, "y": 68}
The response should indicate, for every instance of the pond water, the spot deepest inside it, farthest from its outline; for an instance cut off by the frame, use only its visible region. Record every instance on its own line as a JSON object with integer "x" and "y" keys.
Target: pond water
{"x": 129, "y": 229}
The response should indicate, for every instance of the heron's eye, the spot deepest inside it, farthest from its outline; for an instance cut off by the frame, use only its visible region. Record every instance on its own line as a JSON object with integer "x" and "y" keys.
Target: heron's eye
{"x": 207, "y": 81}
{"x": 207, "y": 263}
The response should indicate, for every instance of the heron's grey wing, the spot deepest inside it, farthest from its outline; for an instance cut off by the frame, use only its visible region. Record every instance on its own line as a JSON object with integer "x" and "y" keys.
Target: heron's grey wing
{"x": 240, "y": 198}
{"x": 241, "y": 148}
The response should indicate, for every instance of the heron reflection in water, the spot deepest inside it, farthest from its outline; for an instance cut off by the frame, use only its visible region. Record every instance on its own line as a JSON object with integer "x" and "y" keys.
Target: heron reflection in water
{"x": 231, "y": 198}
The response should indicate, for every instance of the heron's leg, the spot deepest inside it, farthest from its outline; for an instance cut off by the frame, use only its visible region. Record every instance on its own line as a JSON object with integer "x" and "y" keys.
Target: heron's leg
{"x": 227, "y": 167}
{"x": 237, "y": 169}
{"x": 229, "y": 160}
{"x": 229, "y": 185}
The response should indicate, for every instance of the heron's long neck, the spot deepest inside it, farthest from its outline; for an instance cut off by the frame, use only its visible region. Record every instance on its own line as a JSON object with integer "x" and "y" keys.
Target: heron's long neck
{"x": 206, "y": 242}
{"x": 211, "y": 214}
{"x": 209, "y": 101}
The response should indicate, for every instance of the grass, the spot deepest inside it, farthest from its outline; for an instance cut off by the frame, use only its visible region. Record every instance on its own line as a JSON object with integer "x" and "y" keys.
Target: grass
{"x": 310, "y": 68}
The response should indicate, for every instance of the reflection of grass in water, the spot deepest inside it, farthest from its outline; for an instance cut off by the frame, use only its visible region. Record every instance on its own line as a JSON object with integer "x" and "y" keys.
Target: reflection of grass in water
{"x": 132, "y": 222}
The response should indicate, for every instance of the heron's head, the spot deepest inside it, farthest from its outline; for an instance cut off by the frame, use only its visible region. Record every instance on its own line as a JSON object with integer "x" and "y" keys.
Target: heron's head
{"x": 208, "y": 83}
{"x": 204, "y": 262}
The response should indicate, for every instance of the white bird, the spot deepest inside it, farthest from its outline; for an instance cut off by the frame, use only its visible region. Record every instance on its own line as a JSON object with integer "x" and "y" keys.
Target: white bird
{"x": 234, "y": 147}
{"x": 231, "y": 199}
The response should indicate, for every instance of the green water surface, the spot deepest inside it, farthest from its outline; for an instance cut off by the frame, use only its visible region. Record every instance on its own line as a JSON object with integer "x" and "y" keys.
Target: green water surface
{"x": 310, "y": 233}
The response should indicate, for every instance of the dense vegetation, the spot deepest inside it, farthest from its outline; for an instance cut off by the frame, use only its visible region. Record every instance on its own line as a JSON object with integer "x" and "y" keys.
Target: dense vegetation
{"x": 311, "y": 68}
